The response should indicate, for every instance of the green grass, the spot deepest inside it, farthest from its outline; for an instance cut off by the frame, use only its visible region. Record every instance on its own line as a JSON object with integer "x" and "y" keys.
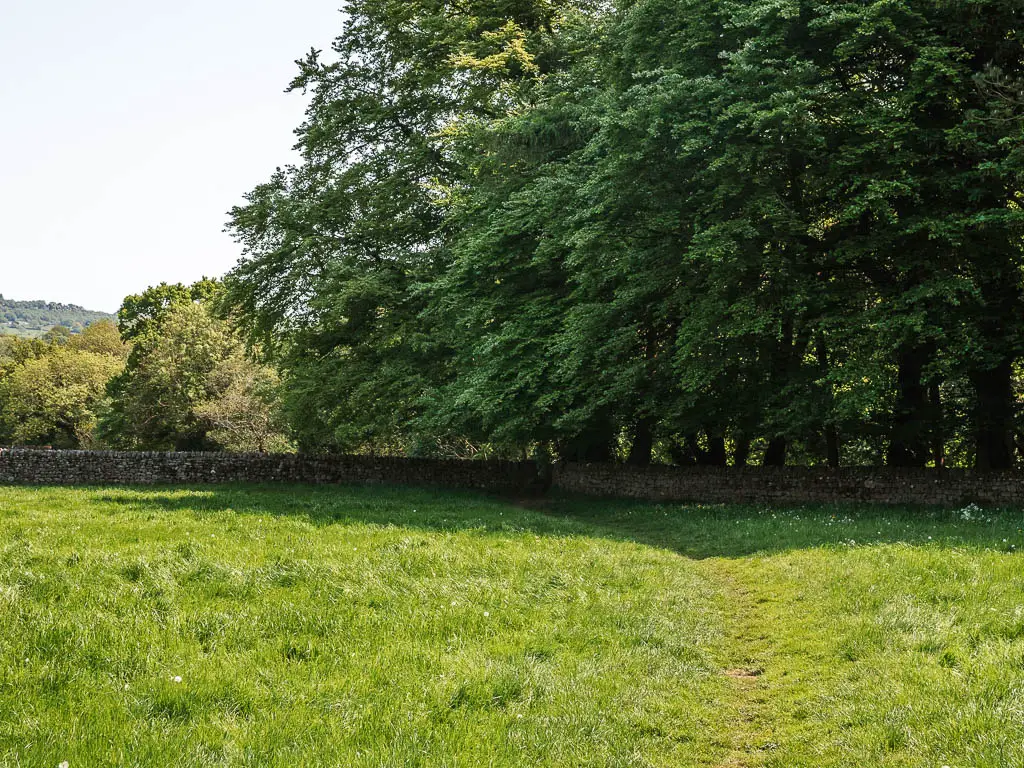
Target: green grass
{"x": 398, "y": 627}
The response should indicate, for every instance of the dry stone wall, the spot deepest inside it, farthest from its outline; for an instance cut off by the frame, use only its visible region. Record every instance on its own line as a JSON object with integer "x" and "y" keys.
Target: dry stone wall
{"x": 790, "y": 485}
{"x": 793, "y": 485}
{"x": 146, "y": 468}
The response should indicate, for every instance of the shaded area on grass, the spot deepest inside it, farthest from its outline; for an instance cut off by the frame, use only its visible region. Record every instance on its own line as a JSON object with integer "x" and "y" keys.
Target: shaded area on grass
{"x": 696, "y": 531}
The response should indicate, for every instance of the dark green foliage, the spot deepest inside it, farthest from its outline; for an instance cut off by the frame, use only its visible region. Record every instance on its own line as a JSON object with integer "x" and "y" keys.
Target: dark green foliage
{"x": 343, "y": 250}
{"x": 685, "y": 231}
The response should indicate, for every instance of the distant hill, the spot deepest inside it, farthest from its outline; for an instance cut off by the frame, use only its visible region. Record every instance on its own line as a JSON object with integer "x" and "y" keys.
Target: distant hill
{"x": 34, "y": 318}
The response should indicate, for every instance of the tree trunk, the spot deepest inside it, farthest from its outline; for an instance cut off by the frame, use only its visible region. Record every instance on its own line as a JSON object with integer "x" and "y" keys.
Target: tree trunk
{"x": 832, "y": 445}
{"x": 740, "y": 452}
{"x": 593, "y": 444}
{"x": 938, "y": 438}
{"x": 829, "y": 428}
{"x": 993, "y": 417}
{"x": 643, "y": 443}
{"x": 998, "y": 326}
{"x": 682, "y": 452}
{"x": 908, "y": 437}
{"x": 775, "y": 454}
{"x": 714, "y": 456}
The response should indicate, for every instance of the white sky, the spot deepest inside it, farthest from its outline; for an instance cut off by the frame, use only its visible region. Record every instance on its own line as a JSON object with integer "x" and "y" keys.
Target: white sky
{"x": 128, "y": 129}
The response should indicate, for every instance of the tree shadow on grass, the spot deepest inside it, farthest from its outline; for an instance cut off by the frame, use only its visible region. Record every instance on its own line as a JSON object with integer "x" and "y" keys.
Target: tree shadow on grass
{"x": 695, "y": 531}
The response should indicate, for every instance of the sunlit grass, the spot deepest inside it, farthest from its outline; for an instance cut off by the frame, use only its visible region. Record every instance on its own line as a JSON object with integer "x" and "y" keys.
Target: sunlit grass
{"x": 370, "y": 627}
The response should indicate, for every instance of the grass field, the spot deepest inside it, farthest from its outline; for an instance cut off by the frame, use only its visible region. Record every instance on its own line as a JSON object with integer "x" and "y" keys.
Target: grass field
{"x": 367, "y": 627}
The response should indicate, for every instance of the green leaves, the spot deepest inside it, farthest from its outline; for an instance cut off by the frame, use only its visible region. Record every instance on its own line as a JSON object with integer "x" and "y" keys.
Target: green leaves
{"x": 607, "y": 228}
{"x": 189, "y": 382}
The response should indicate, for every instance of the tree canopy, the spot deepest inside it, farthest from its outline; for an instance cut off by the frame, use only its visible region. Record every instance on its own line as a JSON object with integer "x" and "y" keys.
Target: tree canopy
{"x": 189, "y": 382}
{"x": 686, "y": 231}
{"x": 52, "y": 388}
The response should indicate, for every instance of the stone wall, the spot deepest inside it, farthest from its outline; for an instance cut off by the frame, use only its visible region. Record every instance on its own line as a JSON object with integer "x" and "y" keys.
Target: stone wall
{"x": 37, "y": 467}
{"x": 791, "y": 485}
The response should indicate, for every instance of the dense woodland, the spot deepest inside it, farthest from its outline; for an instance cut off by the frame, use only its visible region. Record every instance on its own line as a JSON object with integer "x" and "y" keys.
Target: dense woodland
{"x": 679, "y": 231}
{"x": 35, "y": 318}
{"x": 685, "y": 231}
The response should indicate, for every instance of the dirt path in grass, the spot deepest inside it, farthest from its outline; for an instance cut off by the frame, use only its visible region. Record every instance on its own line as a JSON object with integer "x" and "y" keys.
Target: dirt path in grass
{"x": 747, "y": 659}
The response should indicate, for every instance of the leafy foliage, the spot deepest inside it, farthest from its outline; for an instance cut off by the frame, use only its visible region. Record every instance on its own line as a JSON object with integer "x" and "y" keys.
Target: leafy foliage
{"x": 52, "y": 399}
{"x": 189, "y": 383}
{"x": 51, "y": 389}
{"x": 175, "y": 374}
{"x": 681, "y": 231}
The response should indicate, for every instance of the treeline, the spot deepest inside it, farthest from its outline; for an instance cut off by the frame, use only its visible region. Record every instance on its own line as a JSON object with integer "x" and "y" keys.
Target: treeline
{"x": 682, "y": 231}
{"x": 173, "y": 374}
{"x": 34, "y": 318}
{"x": 688, "y": 231}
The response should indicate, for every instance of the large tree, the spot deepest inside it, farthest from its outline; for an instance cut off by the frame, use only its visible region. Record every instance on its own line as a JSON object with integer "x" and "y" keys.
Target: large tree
{"x": 681, "y": 230}
{"x": 342, "y": 250}
{"x": 190, "y": 383}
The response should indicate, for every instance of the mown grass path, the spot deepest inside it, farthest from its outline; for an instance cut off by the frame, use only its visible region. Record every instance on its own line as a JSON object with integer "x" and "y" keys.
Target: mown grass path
{"x": 394, "y": 627}
{"x": 869, "y": 636}
{"x": 743, "y": 656}
{"x": 884, "y": 656}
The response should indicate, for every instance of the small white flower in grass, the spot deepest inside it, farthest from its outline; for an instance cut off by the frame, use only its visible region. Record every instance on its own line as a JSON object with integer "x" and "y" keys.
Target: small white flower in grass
{"x": 177, "y": 678}
{"x": 63, "y": 764}
{"x": 486, "y": 614}
{"x": 453, "y": 603}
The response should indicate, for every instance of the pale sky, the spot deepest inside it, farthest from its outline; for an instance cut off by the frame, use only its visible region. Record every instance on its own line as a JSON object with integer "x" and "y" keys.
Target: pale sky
{"x": 128, "y": 129}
